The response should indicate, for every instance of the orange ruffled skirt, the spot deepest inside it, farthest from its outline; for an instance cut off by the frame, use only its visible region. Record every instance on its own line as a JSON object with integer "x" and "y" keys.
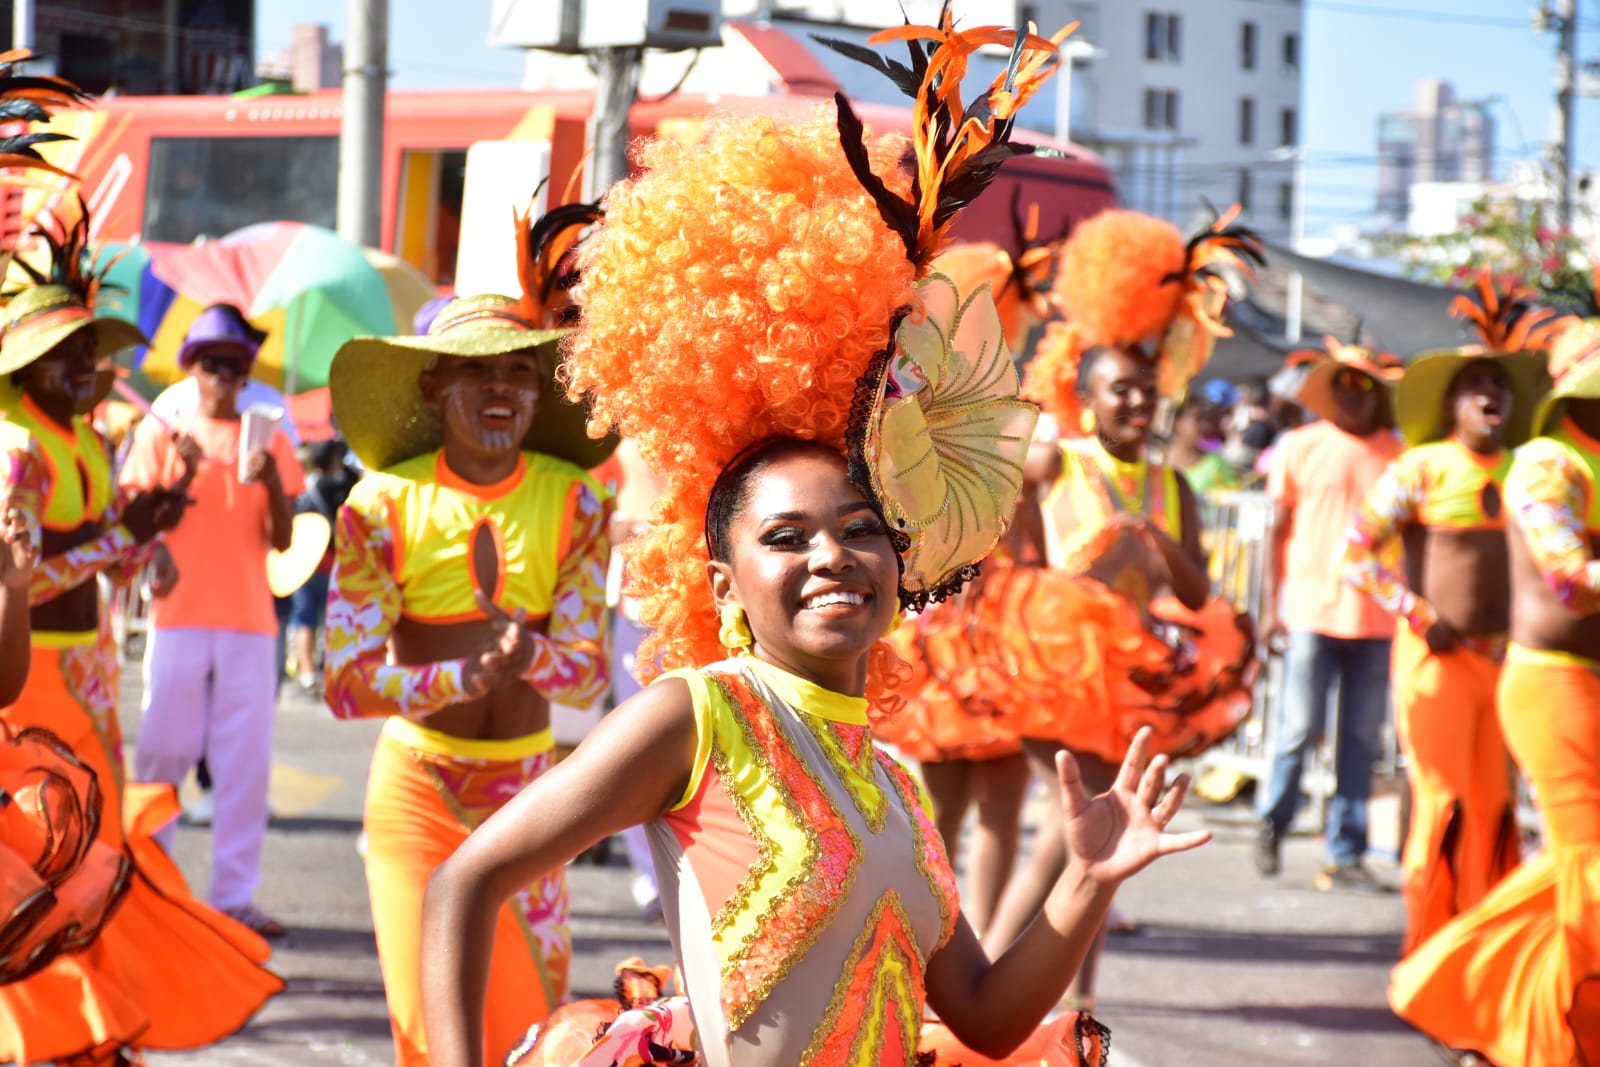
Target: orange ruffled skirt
{"x": 1037, "y": 652}
{"x": 166, "y": 971}
{"x": 1517, "y": 978}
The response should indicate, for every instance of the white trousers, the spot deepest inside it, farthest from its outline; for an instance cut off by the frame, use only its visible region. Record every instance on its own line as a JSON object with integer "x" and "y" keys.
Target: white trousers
{"x": 213, "y": 693}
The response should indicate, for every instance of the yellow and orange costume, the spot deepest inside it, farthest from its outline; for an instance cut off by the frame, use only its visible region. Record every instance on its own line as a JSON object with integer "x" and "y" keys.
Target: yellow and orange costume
{"x": 1517, "y": 977}
{"x": 403, "y": 548}
{"x": 165, "y": 972}
{"x": 416, "y": 542}
{"x": 1126, "y": 279}
{"x": 804, "y": 883}
{"x": 1463, "y": 835}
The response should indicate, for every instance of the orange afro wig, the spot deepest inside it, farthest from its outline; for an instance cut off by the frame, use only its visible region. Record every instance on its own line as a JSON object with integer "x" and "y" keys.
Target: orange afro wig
{"x": 1130, "y": 279}
{"x": 736, "y": 292}
{"x": 1121, "y": 282}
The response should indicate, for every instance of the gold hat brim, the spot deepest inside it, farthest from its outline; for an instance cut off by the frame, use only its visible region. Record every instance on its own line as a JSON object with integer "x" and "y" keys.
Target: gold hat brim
{"x": 1316, "y": 392}
{"x": 1577, "y": 346}
{"x": 1420, "y": 396}
{"x": 378, "y": 405}
{"x": 23, "y": 346}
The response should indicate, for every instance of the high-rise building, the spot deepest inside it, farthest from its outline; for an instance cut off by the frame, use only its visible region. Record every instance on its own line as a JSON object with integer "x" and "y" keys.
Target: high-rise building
{"x": 1441, "y": 139}
{"x": 1193, "y": 100}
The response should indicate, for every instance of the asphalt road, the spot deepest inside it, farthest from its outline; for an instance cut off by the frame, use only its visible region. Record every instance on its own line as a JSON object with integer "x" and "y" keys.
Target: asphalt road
{"x": 1226, "y": 970}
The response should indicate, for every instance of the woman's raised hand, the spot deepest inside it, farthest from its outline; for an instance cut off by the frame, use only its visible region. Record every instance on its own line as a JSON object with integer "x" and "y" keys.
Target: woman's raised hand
{"x": 509, "y": 651}
{"x": 1117, "y": 834}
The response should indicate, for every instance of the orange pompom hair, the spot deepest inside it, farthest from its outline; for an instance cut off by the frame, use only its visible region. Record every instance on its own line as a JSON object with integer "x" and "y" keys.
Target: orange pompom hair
{"x": 1128, "y": 279}
{"x": 736, "y": 291}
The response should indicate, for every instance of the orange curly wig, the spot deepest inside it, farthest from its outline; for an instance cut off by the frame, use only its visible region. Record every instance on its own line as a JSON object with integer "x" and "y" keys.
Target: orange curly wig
{"x": 736, "y": 292}
{"x": 1120, "y": 283}
{"x": 1131, "y": 279}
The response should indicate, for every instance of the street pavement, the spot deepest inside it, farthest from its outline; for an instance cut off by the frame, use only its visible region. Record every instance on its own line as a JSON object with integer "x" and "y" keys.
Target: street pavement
{"x": 1226, "y": 970}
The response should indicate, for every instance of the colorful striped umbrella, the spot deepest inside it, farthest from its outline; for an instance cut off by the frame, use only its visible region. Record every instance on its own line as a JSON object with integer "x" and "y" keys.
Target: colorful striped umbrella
{"x": 310, "y": 289}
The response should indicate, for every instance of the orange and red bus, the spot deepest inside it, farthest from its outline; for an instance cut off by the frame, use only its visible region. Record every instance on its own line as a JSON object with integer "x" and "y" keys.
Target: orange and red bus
{"x": 181, "y": 168}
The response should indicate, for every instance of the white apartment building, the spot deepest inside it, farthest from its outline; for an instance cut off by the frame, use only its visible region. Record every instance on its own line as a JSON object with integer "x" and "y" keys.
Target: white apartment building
{"x": 1185, "y": 100}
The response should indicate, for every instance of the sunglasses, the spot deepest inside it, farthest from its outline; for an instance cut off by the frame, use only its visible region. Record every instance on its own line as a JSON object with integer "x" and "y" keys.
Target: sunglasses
{"x": 1354, "y": 380}
{"x": 218, "y": 365}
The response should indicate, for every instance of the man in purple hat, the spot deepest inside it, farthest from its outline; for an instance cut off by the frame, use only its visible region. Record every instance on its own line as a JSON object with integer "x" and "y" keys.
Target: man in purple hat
{"x": 210, "y": 671}
{"x": 181, "y": 400}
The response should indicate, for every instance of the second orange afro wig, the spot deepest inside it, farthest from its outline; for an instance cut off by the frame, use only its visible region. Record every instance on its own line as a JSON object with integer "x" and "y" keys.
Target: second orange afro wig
{"x": 737, "y": 290}
{"x": 1121, "y": 281}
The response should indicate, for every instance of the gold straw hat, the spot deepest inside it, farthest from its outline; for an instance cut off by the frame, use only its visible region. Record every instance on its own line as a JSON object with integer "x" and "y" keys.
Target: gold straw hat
{"x": 1514, "y": 334}
{"x": 373, "y": 382}
{"x": 1574, "y": 369}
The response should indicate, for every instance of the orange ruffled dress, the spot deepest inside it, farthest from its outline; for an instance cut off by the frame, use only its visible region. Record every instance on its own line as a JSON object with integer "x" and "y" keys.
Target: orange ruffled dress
{"x": 1185, "y": 674}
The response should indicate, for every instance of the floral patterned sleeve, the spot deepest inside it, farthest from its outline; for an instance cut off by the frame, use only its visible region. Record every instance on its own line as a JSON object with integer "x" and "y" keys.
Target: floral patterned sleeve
{"x": 1392, "y": 503}
{"x": 1547, "y": 495}
{"x": 363, "y": 606}
{"x": 571, "y": 664}
{"x": 27, "y": 484}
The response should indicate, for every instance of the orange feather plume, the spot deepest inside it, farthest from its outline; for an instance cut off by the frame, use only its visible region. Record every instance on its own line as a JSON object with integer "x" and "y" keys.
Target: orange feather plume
{"x": 958, "y": 146}
{"x": 1509, "y": 321}
{"x": 545, "y": 267}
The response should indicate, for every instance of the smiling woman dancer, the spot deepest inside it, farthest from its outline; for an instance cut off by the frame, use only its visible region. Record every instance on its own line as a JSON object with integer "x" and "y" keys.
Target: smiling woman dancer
{"x": 741, "y": 302}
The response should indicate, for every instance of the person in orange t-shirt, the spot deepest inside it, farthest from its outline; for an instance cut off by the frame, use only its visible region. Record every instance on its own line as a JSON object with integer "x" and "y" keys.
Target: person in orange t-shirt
{"x": 210, "y": 671}
{"x": 1336, "y": 634}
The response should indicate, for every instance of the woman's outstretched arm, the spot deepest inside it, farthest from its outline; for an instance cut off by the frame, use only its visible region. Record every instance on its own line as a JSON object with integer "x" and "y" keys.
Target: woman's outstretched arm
{"x": 993, "y": 1007}
{"x": 631, "y": 769}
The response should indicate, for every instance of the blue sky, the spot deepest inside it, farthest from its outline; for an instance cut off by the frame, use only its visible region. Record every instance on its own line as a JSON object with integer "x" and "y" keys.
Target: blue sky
{"x": 1363, "y": 57}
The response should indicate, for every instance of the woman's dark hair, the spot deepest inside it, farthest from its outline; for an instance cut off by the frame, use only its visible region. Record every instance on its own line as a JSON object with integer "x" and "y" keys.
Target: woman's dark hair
{"x": 1093, "y": 354}
{"x": 731, "y": 491}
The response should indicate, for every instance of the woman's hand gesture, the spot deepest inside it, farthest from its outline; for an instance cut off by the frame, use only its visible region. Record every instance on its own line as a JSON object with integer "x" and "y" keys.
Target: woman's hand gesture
{"x": 1117, "y": 834}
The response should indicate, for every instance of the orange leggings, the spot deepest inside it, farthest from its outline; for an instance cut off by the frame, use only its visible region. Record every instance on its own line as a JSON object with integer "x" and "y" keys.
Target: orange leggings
{"x": 426, "y": 791}
{"x": 1517, "y": 978}
{"x": 1463, "y": 831}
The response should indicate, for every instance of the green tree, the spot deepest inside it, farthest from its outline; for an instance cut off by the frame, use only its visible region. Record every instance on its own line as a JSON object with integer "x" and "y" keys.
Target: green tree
{"x": 1515, "y": 242}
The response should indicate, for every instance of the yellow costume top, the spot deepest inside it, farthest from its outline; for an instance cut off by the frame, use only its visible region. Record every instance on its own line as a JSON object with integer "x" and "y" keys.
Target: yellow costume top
{"x": 1442, "y": 484}
{"x": 61, "y": 478}
{"x": 417, "y": 541}
{"x": 1551, "y": 492}
{"x": 1092, "y": 490}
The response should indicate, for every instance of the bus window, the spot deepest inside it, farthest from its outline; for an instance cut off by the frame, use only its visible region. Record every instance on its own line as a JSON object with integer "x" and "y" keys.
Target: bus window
{"x": 427, "y": 225}
{"x": 211, "y": 186}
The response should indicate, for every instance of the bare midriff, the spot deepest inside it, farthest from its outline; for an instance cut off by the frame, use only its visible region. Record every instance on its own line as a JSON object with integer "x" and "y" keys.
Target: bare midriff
{"x": 78, "y": 609}
{"x": 511, "y": 710}
{"x": 1539, "y": 619}
{"x": 1464, "y": 574}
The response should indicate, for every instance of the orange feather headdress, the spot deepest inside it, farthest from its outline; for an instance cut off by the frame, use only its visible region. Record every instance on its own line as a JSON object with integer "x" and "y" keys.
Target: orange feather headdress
{"x": 774, "y": 282}
{"x": 1128, "y": 279}
{"x": 1018, "y": 273}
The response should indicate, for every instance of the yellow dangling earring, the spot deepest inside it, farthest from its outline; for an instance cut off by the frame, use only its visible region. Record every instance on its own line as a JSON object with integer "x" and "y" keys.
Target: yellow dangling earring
{"x": 735, "y": 631}
{"x": 1086, "y": 421}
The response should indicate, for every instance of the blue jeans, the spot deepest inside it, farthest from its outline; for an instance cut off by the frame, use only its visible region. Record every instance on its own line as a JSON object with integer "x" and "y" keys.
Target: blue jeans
{"x": 1315, "y": 662}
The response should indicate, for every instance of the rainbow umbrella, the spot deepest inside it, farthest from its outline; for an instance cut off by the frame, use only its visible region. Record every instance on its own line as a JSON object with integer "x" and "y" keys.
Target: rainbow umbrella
{"x": 310, "y": 289}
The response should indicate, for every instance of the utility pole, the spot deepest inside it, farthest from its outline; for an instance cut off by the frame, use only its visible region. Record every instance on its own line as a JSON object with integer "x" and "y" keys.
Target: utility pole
{"x": 1564, "y": 21}
{"x": 366, "y": 82}
{"x": 616, "y": 71}
{"x": 22, "y": 24}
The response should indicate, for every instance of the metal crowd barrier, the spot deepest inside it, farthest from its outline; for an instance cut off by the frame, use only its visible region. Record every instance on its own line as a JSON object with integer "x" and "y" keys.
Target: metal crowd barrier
{"x": 1238, "y": 536}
